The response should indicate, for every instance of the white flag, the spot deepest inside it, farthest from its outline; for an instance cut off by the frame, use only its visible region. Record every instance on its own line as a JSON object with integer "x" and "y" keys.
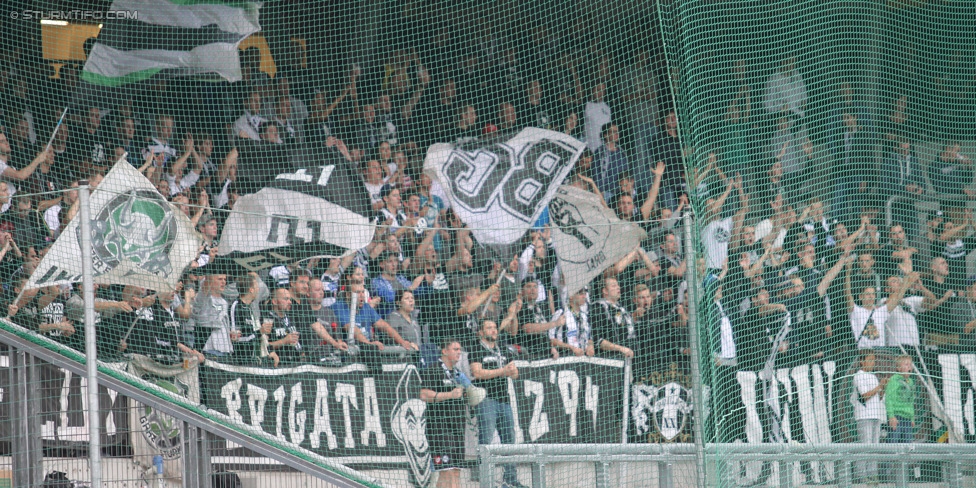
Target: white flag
{"x": 588, "y": 237}
{"x": 499, "y": 188}
{"x": 138, "y": 238}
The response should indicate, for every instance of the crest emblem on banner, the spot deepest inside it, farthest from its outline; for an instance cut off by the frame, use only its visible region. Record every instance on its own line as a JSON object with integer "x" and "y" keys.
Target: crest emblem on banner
{"x": 666, "y": 402}
{"x": 137, "y": 227}
{"x": 409, "y": 425}
{"x": 161, "y": 431}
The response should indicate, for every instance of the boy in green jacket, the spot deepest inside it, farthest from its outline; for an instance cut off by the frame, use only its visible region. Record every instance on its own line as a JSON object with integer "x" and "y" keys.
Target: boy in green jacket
{"x": 900, "y": 402}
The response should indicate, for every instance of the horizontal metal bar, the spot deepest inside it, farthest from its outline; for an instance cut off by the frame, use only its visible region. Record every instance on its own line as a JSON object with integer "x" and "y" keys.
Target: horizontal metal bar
{"x": 331, "y": 475}
{"x": 730, "y": 449}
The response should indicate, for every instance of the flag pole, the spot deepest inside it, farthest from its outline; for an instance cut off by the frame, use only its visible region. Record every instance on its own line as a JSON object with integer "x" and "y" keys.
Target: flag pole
{"x": 91, "y": 359}
{"x": 56, "y": 127}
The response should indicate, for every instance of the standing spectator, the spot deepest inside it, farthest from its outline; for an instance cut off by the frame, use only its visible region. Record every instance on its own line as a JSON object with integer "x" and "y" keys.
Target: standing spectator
{"x": 445, "y": 414}
{"x": 868, "y": 412}
{"x": 613, "y": 326}
{"x": 666, "y": 147}
{"x": 491, "y": 368}
{"x": 902, "y": 323}
{"x": 390, "y": 282}
{"x": 951, "y": 172}
{"x": 244, "y": 318}
{"x": 248, "y": 124}
{"x": 869, "y": 319}
{"x": 596, "y": 114}
{"x": 285, "y": 339}
{"x": 853, "y": 169}
{"x": 610, "y": 163}
{"x": 403, "y": 322}
{"x": 900, "y": 402}
{"x": 575, "y": 336}
{"x": 535, "y": 325}
{"x": 901, "y": 172}
{"x": 160, "y": 142}
{"x": 791, "y": 147}
{"x": 640, "y": 105}
{"x": 368, "y": 322}
{"x": 786, "y": 94}
{"x": 211, "y": 316}
{"x": 314, "y": 315}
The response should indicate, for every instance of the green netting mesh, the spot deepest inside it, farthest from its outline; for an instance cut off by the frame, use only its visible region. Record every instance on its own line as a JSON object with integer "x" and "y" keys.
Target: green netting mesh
{"x": 382, "y": 238}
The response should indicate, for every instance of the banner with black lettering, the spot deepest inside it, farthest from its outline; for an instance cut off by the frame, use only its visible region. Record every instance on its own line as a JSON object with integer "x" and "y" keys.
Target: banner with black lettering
{"x": 358, "y": 416}
{"x": 500, "y": 187}
{"x": 315, "y": 211}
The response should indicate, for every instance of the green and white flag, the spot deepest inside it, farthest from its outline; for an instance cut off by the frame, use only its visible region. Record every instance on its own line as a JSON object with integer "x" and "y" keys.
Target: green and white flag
{"x": 173, "y": 37}
{"x": 138, "y": 238}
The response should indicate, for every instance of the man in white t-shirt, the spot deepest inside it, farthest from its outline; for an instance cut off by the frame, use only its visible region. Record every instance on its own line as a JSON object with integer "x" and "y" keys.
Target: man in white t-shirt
{"x": 719, "y": 233}
{"x": 868, "y": 320}
{"x": 868, "y": 412}
{"x": 596, "y": 114}
{"x": 902, "y": 325}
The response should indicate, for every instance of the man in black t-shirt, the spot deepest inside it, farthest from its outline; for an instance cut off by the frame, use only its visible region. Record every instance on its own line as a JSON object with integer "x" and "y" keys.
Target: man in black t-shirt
{"x": 535, "y": 325}
{"x": 445, "y": 413}
{"x": 284, "y": 337}
{"x": 613, "y": 326}
{"x": 491, "y": 370}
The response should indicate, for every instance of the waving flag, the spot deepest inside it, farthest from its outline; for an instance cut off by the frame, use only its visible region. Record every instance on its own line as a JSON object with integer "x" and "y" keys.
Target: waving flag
{"x": 176, "y": 37}
{"x": 588, "y": 237}
{"x": 138, "y": 238}
{"x": 321, "y": 210}
{"x": 499, "y": 188}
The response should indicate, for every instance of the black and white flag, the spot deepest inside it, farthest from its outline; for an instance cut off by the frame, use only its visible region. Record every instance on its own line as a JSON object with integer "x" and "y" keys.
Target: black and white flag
{"x": 318, "y": 211}
{"x": 588, "y": 237}
{"x": 499, "y": 188}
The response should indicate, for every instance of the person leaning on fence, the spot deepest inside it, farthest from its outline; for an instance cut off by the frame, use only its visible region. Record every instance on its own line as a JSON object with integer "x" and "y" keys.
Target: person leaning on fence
{"x": 445, "y": 414}
{"x": 491, "y": 368}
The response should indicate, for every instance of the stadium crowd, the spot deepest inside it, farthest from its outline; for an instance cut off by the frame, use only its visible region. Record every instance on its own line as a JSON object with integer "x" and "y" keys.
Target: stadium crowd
{"x": 779, "y": 239}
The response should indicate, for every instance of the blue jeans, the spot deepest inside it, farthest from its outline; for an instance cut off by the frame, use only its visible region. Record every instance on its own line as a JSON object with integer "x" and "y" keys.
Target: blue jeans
{"x": 493, "y": 415}
{"x": 903, "y": 434}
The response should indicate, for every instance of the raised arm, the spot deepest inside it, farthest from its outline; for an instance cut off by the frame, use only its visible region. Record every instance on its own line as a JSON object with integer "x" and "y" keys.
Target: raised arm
{"x": 832, "y": 273}
{"x": 652, "y": 194}
{"x": 896, "y": 297}
{"x": 739, "y": 216}
{"x": 847, "y": 286}
{"x": 25, "y": 172}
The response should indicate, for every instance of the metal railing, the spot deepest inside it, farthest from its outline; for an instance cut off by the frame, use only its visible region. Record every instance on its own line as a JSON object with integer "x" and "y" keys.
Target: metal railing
{"x": 953, "y": 458}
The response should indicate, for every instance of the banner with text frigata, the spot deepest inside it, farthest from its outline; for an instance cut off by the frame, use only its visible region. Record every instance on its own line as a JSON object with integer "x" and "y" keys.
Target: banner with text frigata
{"x": 376, "y": 417}
{"x": 500, "y": 187}
{"x": 137, "y": 237}
{"x": 588, "y": 237}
